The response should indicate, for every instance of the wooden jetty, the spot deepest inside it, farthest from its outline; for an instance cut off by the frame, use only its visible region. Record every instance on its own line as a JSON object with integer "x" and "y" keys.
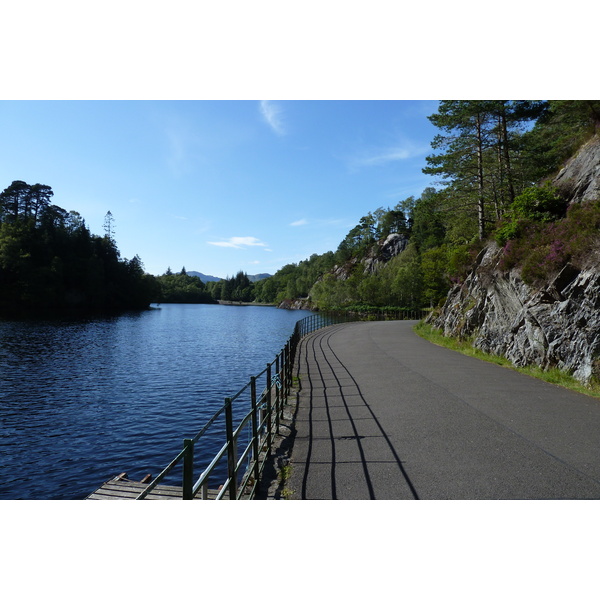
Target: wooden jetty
{"x": 121, "y": 488}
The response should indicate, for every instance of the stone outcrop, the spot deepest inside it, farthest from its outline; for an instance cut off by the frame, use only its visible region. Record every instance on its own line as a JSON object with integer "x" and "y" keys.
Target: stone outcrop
{"x": 555, "y": 326}
{"x": 297, "y": 304}
{"x": 377, "y": 256}
{"x": 383, "y": 251}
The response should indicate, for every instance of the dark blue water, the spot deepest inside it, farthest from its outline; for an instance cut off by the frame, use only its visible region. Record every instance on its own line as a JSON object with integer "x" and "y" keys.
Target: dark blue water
{"x": 82, "y": 401}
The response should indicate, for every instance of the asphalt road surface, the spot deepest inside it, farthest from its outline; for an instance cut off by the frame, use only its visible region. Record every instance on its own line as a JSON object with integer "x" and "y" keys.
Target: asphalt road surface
{"x": 384, "y": 414}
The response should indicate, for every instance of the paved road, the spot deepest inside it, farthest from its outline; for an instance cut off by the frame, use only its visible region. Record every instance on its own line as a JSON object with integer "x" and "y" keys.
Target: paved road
{"x": 384, "y": 414}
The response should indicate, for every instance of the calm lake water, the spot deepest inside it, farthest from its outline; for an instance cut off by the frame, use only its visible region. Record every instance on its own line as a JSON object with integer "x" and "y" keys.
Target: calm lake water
{"x": 82, "y": 401}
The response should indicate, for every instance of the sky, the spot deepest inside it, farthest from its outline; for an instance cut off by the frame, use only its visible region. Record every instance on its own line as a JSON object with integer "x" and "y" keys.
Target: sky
{"x": 220, "y": 186}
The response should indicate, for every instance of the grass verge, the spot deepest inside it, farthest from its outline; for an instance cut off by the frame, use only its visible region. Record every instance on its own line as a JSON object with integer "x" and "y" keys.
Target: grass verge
{"x": 553, "y": 375}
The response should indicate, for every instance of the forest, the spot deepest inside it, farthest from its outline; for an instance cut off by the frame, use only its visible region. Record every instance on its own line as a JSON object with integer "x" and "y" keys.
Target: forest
{"x": 50, "y": 262}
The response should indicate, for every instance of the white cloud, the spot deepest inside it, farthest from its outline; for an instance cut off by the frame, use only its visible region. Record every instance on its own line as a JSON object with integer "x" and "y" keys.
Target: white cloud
{"x": 299, "y": 223}
{"x": 272, "y": 115}
{"x": 239, "y": 242}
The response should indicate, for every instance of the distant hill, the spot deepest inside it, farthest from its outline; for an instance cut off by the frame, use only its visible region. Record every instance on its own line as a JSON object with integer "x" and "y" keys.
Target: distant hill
{"x": 202, "y": 276}
{"x": 206, "y": 278}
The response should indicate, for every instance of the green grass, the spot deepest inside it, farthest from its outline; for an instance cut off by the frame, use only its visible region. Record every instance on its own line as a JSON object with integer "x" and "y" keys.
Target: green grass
{"x": 553, "y": 375}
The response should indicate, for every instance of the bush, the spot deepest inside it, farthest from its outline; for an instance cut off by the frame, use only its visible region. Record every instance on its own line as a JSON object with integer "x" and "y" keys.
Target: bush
{"x": 541, "y": 204}
{"x": 534, "y": 205}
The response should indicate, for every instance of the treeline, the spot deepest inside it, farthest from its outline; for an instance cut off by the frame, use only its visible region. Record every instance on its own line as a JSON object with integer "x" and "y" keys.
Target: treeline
{"x": 181, "y": 287}
{"x": 49, "y": 260}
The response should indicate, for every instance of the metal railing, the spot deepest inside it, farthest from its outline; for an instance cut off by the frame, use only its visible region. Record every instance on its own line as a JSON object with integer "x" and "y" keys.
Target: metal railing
{"x": 248, "y": 443}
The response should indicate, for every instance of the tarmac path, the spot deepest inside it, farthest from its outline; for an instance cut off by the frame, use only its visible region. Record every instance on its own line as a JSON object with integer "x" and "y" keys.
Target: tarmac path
{"x": 384, "y": 414}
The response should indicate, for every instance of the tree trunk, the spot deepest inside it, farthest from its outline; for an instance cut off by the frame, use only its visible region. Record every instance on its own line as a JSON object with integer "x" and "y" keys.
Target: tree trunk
{"x": 480, "y": 180}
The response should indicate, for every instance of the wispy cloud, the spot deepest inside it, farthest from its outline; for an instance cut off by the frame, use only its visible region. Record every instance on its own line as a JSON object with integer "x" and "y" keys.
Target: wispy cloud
{"x": 381, "y": 156}
{"x": 178, "y": 146}
{"x": 299, "y": 223}
{"x": 272, "y": 114}
{"x": 239, "y": 243}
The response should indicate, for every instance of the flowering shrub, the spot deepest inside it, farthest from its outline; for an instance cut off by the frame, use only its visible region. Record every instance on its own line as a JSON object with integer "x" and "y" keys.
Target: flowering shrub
{"x": 542, "y": 249}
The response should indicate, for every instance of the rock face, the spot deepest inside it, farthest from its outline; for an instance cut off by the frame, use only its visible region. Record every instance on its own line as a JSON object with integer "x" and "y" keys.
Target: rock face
{"x": 579, "y": 180}
{"x": 379, "y": 254}
{"x": 384, "y": 251}
{"x": 555, "y": 326}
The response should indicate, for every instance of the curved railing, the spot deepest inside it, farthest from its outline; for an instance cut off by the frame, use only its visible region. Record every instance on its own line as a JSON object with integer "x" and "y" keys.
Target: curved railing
{"x": 250, "y": 430}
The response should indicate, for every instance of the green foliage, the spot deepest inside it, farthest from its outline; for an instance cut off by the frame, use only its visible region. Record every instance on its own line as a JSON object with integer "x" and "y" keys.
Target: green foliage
{"x": 182, "y": 288}
{"x": 434, "y": 268}
{"x": 294, "y": 280}
{"x": 508, "y": 230}
{"x": 237, "y": 289}
{"x": 538, "y": 204}
{"x": 534, "y": 204}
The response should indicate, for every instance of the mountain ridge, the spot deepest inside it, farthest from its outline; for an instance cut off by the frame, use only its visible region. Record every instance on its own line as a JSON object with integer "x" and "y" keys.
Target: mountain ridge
{"x": 206, "y": 278}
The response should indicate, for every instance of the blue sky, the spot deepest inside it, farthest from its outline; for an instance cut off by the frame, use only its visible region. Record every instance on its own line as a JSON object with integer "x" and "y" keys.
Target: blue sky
{"x": 220, "y": 186}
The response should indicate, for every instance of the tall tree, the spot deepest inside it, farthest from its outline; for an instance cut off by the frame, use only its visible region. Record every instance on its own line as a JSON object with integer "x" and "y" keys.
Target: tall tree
{"x": 40, "y": 199}
{"x": 466, "y": 125}
{"x": 109, "y": 226}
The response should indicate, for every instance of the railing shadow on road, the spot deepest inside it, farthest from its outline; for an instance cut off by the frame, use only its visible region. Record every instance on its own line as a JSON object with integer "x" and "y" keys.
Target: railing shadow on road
{"x": 324, "y": 358}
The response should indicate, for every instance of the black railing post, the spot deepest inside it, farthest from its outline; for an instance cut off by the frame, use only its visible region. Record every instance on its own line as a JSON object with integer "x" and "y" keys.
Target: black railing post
{"x": 255, "y": 445}
{"x": 269, "y": 408}
{"x": 287, "y": 377}
{"x": 231, "y": 450}
{"x": 188, "y": 470}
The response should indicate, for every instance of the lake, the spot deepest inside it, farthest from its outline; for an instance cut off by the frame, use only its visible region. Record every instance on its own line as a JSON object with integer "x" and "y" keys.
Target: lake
{"x": 84, "y": 400}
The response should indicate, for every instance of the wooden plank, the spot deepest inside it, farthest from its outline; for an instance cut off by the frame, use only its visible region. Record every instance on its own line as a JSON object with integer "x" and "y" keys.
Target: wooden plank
{"x": 121, "y": 489}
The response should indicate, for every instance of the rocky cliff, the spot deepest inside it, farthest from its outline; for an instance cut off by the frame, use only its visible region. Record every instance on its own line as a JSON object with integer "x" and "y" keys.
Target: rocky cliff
{"x": 553, "y": 325}
{"x": 377, "y": 256}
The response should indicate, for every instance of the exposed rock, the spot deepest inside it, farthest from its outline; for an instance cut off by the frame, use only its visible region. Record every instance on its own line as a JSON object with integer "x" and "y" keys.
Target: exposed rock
{"x": 555, "y": 326}
{"x": 297, "y": 304}
{"x": 344, "y": 271}
{"x": 579, "y": 180}
{"x": 384, "y": 251}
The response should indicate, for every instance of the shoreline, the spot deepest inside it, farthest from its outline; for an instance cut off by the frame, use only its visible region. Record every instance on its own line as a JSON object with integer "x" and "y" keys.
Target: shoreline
{"x": 240, "y": 303}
